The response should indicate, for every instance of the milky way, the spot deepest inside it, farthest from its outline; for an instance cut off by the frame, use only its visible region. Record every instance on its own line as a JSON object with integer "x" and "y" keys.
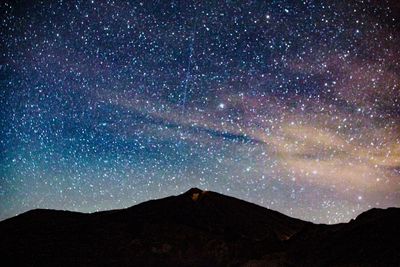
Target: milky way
{"x": 294, "y": 105}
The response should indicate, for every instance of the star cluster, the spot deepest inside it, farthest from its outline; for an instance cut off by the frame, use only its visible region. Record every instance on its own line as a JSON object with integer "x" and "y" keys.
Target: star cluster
{"x": 294, "y": 105}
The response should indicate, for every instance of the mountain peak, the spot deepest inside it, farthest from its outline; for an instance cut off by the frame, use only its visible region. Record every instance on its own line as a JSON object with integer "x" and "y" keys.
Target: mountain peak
{"x": 195, "y": 193}
{"x": 193, "y": 190}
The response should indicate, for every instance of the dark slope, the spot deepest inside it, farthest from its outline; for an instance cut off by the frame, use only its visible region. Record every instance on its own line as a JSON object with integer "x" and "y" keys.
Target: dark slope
{"x": 197, "y": 228}
{"x": 372, "y": 239}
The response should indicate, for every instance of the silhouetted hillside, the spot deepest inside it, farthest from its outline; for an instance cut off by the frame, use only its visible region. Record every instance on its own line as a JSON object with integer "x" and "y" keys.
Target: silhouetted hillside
{"x": 197, "y": 228}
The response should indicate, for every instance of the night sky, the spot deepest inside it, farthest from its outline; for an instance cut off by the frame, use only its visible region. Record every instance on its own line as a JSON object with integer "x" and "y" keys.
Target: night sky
{"x": 293, "y": 105}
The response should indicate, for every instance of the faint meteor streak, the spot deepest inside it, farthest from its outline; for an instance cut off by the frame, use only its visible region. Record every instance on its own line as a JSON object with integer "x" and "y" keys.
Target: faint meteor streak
{"x": 189, "y": 69}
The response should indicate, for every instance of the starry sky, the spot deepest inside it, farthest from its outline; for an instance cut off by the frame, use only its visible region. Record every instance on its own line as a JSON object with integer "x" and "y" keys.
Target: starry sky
{"x": 293, "y": 105}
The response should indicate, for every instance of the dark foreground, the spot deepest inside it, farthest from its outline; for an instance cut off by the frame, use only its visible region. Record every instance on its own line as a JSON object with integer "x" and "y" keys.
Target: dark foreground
{"x": 197, "y": 228}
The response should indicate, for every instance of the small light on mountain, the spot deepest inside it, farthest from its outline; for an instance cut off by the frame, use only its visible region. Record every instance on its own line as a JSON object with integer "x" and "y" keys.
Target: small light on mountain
{"x": 195, "y": 196}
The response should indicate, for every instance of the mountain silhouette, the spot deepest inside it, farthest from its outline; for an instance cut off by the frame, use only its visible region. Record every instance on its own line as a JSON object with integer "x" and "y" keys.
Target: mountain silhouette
{"x": 197, "y": 228}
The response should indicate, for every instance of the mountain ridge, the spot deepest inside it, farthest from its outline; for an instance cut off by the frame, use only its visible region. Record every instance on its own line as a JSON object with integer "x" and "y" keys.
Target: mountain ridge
{"x": 197, "y": 228}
